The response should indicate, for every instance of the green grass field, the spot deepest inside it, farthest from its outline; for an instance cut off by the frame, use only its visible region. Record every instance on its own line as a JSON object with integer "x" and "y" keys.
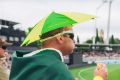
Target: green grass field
{"x": 86, "y": 73}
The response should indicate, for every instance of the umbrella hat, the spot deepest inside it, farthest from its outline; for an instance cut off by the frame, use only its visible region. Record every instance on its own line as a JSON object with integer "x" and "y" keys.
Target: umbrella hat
{"x": 54, "y": 21}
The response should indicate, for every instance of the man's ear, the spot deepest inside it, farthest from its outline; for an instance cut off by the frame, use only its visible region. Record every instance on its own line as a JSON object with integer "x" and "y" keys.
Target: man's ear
{"x": 60, "y": 39}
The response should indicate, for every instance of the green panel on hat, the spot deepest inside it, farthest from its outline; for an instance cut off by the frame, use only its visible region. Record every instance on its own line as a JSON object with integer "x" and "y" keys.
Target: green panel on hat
{"x": 55, "y": 21}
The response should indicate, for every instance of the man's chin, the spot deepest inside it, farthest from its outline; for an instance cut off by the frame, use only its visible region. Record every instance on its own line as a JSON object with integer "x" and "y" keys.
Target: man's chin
{"x": 71, "y": 52}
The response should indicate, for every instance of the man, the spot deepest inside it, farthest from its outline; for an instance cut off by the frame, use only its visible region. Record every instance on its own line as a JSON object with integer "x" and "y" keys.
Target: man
{"x": 47, "y": 63}
{"x": 3, "y": 69}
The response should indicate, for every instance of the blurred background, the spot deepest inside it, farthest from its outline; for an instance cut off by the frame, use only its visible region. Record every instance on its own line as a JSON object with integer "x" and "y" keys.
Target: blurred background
{"x": 97, "y": 41}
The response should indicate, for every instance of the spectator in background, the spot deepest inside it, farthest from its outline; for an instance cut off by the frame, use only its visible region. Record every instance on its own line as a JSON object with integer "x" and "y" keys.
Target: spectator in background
{"x": 4, "y": 71}
{"x": 101, "y": 72}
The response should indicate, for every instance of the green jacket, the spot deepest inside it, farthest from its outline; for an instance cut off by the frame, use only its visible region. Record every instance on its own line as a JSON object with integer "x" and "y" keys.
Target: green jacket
{"x": 45, "y": 65}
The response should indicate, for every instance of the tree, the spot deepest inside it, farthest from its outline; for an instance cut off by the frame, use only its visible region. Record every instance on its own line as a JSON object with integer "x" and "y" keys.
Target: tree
{"x": 78, "y": 41}
{"x": 97, "y": 39}
{"x": 112, "y": 40}
{"x": 117, "y": 41}
{"x": 89, "y": 41}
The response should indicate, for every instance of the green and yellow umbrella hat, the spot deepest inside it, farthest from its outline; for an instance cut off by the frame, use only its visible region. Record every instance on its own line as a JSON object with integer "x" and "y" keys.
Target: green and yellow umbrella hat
{"x": 54, "y": 21}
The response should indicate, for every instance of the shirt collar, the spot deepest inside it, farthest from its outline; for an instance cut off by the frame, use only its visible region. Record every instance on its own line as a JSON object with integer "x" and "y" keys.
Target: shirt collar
{"x": 37, "y": 51}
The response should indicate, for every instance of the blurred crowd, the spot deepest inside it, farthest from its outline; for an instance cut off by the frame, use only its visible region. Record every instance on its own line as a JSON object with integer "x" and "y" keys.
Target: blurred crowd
{"x": 88, "y": 56}
{"x": 93, "y": 56}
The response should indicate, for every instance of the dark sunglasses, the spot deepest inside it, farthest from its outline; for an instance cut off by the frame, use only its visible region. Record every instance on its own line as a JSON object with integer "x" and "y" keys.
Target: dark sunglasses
{"x": 71, "y": 35}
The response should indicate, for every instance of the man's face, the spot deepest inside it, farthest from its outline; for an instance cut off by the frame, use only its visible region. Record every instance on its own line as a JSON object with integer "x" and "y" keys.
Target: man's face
{"x": 68, "y": 44}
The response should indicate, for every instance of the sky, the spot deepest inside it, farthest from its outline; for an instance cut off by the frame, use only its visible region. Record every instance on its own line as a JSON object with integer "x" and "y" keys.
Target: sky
{"x": 29, "y": 12}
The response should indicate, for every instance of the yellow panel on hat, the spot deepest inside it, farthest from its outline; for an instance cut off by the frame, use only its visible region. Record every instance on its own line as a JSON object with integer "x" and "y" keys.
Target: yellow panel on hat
{"x": 78, "y": 17}
{"x": 34, "y": 34}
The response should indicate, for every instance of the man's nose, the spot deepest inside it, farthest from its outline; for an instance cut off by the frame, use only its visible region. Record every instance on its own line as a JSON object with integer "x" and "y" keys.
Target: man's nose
{"x": 73, "y": 41}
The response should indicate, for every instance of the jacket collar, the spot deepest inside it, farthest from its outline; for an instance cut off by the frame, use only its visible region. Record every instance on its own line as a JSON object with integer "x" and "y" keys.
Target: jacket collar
{"x": 37, "y": 51}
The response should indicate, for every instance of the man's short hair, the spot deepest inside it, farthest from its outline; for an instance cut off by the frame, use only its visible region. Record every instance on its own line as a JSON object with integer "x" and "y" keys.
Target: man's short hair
{"x": 51, "y": 33}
